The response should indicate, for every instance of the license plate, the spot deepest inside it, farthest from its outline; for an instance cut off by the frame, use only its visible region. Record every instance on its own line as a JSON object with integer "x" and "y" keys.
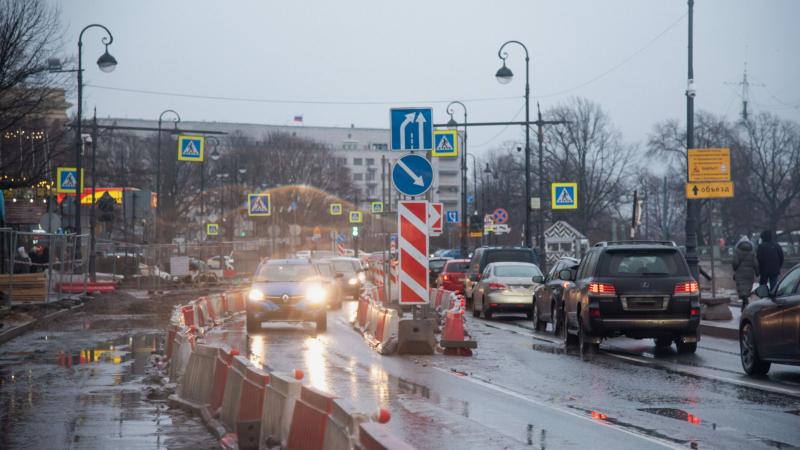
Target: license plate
{"x": 460, "y": 279}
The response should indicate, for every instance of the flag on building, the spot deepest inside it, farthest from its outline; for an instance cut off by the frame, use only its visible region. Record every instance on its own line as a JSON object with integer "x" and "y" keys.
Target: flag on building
{"x": 298, "y": 118}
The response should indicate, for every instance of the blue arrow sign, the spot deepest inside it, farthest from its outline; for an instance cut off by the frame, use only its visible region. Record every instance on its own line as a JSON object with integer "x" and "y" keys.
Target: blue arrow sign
{"x": 394, "y": 237}
{"x": 412, "y": 129}
{"x": 340, "y": 238}
{"x": 470, "y": 199}
{"x": 412, "y": 175}
{"x": 452, "y": 216}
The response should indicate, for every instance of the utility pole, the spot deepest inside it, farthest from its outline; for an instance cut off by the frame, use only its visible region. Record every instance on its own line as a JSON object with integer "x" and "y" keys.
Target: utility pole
{"x": 691, "y": 236}
{"x": 92, "y": 231}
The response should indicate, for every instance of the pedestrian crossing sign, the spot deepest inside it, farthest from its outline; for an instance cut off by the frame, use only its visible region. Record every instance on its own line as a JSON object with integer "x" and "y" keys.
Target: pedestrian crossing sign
{"x": 377, "y": 207}
{"x": 212, "y": 229}
{"x": 565, "y": 195}
{"x": 190, "y": 148}
{"x": 258, "y": 205}
{"x": 445, "y": 143}
{"x": 336, "y": 209}
{"x": 68, "y": 180}
{"x": 355, "y": 216}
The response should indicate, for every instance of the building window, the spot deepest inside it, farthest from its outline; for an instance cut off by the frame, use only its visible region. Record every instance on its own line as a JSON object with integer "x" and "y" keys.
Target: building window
{"x": 370, "y": 176}
{"x": 380, "y": 146}
{"x": 342, "y": 161}
{"x": 357, "y": 161}
{"x": 370, "y": 191}
{"x": 358, "y": 177}
{"x": 370, "y": 161}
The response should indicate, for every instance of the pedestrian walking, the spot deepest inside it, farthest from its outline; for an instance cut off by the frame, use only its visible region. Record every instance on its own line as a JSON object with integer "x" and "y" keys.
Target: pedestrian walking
{"x": 22, "y": 262}
{"x": 770, "y": 260}
{"x": 745, "y": 269}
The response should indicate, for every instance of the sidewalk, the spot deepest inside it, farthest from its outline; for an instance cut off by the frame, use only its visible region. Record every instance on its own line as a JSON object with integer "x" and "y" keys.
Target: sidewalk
{"x": 726, "y": 329}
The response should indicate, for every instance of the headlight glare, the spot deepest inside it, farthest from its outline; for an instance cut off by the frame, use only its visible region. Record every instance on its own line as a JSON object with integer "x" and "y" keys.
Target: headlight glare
{"x": 256, "y": 295}
{"x": 361, "y": 276}
{"x": 315, "y": 295}
{"x": 352, "y": 281}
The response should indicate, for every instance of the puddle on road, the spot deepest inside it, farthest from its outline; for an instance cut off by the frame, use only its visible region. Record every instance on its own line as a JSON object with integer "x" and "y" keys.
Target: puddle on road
{"x": 646, "y": 431}
{"x": 674, "y": 413}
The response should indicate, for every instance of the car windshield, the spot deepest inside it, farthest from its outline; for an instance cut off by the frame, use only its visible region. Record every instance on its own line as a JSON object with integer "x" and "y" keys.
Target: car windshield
{"x": 457, "y": 267}
{"x": 273, "y": 273}
{"x": 437, "y": 264}
{"x": 325, "y": 270}
{"x": 522, "y": 270}
{"x": 509, "y": 256}
{"x": 345, "y": 266}
{"x": 641, "y": 263}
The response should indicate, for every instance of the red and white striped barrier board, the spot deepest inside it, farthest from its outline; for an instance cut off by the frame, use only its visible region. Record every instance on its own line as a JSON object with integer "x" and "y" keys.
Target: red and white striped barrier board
{"x": 413, "y": 238}
{"x": 435, "y": 214}
{"x": 340, "y": 248}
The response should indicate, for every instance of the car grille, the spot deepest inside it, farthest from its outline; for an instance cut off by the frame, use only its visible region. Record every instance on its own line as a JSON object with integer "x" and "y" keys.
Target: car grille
{"x": 278, "y": 299}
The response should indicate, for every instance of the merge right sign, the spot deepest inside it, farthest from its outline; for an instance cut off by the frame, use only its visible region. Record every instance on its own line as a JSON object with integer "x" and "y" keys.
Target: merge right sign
{"x": 709, "y": 164}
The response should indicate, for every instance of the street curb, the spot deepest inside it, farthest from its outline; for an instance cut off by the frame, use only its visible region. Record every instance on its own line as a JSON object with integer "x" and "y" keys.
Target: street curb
{"x": 719, "y": 332}
{"x": 21, "y": 329}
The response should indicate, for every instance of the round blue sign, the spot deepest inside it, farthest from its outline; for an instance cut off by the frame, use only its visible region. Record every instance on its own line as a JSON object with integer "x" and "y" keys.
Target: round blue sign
{"x": 412, "y": 175}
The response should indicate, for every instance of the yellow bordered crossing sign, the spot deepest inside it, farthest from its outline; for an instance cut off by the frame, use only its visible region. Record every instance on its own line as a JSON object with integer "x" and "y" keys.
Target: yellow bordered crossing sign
{"x": 212, "y": 229}
{"x": 445, "y": 143}
{"x": 377, "y": 207}
{"x": 355, "y": 217}
{"x": 565, "y": 195}
{"x": 190, "y": 148}
{"x": 259, "y": 205}
{"x": 336, "y": 209}
{"x": 68, "y": 180}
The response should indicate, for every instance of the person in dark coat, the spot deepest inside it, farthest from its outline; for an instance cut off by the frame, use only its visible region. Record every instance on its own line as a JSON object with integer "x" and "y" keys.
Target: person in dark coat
{"x": 770, "y": 260}
{"x": 745, "y": 267}
{"x": 22, "y": 262}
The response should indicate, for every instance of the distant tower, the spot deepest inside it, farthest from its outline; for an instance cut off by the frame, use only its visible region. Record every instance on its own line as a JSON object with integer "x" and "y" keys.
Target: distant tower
{"x": 745, "y": 91}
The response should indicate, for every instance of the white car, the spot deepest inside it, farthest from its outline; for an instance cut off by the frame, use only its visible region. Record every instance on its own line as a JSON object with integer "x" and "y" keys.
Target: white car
{"x": 213, "y": 262}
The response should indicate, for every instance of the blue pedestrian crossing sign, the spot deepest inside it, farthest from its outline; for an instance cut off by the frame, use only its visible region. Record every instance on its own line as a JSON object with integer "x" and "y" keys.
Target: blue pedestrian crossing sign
{"x": 377, "y": 207}
{"x": 259, "y": 205}
{"x": 452, "y": 216}
{"x": 294, "y": 206}
{"x": 355, "y": 216}
{"x": 445, "y": 143}
{"x": 68, "y": 180}
{"x": 470, "y": 199}
{"x": 565, "y": 195}
{"x": 212, "y": 229}
{"x": 412, "y": 129}
{"x": 340, "y": 238}
{"x": 190, "y": 148}
{"x": 412, "y": 175}
{"x": 336, "y": 209}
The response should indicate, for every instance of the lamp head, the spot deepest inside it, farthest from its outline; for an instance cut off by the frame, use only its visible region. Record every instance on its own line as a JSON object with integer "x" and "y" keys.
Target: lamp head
{"x": 487, "y": 170}
{"x": 215, "y": 155}
{"x": 452, "y": 124}
{"x": 106, "y": 62}
{"x": 504, "y": 74}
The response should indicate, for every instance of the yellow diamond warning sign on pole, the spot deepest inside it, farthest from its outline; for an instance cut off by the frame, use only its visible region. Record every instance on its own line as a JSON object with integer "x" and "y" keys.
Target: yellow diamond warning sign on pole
{"x": 718, "y": 189}
{"x": 709, "y": 164}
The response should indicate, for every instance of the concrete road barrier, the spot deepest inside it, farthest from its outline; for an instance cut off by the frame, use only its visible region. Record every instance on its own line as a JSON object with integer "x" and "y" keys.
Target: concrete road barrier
{"x": 309, "y": 419}
{"x": 198, "y": 380}
{"x": 341, "y": 430}
{"x": 280, "y": 396}
{"x": 222, "y": 364}
{"x": 188, "y": 315}
{"x": 416, "y": 337}
{"x": 251, "y": 400}
{"x": 181, "y": 349}
{"x": 233, "y": 390}
{"x": 374, "y": 436}
{"x": 172, "y": 328}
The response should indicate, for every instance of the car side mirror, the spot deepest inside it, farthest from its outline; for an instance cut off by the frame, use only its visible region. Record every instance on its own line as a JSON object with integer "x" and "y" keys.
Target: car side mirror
{"x": 565, "y": 275}
{"x": 762, "y": 291}
{"x": 339, "y": 275}
{"x": 537, "y": 279}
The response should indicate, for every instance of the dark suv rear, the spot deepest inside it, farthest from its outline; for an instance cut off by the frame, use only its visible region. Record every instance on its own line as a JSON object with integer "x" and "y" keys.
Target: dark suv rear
{"x": 639, "y": 289}
{"x": 484, "y": 256}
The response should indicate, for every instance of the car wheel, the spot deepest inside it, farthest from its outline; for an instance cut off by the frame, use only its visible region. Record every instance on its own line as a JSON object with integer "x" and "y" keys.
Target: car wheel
{"x": 663, "y": 342}
{"x": 686, "y": 347}
{"x": 569, "y": 339}
{"x": 485, "y": 311}
{"x": 751, "y": 361}
{"x": 585, "y": 346}
{"x": 555, "y": 319}
{"x": 322, "y": 322}
{"x": 253, "y": 326}
{"x": 538, "y": 324}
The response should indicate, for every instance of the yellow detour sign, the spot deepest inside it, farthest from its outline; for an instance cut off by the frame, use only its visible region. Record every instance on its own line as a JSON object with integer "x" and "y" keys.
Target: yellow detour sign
{"x": 718, "y": 189}
{"x": 710, "y": 164}
{"x": 475, "y": 234}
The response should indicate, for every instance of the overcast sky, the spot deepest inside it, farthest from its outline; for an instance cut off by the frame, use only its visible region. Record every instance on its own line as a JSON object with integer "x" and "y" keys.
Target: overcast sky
{"x": 431, "y": 52}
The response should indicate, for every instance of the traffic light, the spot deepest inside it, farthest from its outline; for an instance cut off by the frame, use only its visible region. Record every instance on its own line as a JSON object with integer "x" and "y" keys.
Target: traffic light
{"x": 106, "y": 205}
{"x": 355, "y": 231}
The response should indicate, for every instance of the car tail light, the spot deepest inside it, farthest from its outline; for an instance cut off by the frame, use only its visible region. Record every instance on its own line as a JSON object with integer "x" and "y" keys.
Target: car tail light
{"x": 601, "y": 288}
{"x": 496, "y": 287}
{"x": 696, "y": 311}
{"x": 686, "y": 288}
{"x": 446, "y": 277}
{"x": 594, "y": 312}
{"x": 565, "y": 284}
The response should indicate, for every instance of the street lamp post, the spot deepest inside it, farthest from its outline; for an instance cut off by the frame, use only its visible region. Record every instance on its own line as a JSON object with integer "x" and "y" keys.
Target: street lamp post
{"x": 106, "y": 63}
{"x": 176, "y": 120}
{"x": 454, "y": 124}
{"x": 691, "y": 235}
{"x": 504, "y": 76}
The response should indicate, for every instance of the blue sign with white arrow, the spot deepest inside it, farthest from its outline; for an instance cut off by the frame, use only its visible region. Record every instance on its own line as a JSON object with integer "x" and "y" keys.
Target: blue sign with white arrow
{"x": 412, "y": 175}
{"x": 412, "y": 129}
{"x": 470, "y": 199}
{"x": 452, "y": 216}
{"x": 340, "y": 238}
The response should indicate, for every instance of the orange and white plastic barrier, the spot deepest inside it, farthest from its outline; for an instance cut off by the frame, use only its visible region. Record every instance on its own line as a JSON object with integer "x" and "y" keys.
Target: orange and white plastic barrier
{"x": 342, "y": 428}
{"x": 233, "y": 391}
{"x": 280, "y": 396}
{"x": 310, "y": 416}
{"x": 453, "y": 340}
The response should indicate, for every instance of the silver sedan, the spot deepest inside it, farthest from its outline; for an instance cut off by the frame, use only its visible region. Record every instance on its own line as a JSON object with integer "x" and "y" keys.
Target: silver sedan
{"x": 505, "y": 287}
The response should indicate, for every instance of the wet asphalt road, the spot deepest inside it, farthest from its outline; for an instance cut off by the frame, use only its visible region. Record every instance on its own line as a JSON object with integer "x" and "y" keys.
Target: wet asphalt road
{"x": 521, "y": 389}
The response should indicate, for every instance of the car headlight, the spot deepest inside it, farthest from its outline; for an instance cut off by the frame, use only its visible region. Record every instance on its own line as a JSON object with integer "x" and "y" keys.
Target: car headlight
{"x": 362, "y": 277}
{"x": 256, "y": 295}
{"x": 315, "y": 295}
{"x": 352, "y": 281}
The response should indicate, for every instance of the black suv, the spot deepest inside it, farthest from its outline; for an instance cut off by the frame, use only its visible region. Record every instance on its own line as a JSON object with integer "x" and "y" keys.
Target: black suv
{"x": 640, "y": 289}
{"x": 548, "y": 303}
{"x": 484, "y": 256}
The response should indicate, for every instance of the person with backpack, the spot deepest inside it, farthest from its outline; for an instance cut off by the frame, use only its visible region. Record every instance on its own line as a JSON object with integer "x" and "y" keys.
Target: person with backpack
{"x": 770, "y": 260}
{"x": 745, "y": 269}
